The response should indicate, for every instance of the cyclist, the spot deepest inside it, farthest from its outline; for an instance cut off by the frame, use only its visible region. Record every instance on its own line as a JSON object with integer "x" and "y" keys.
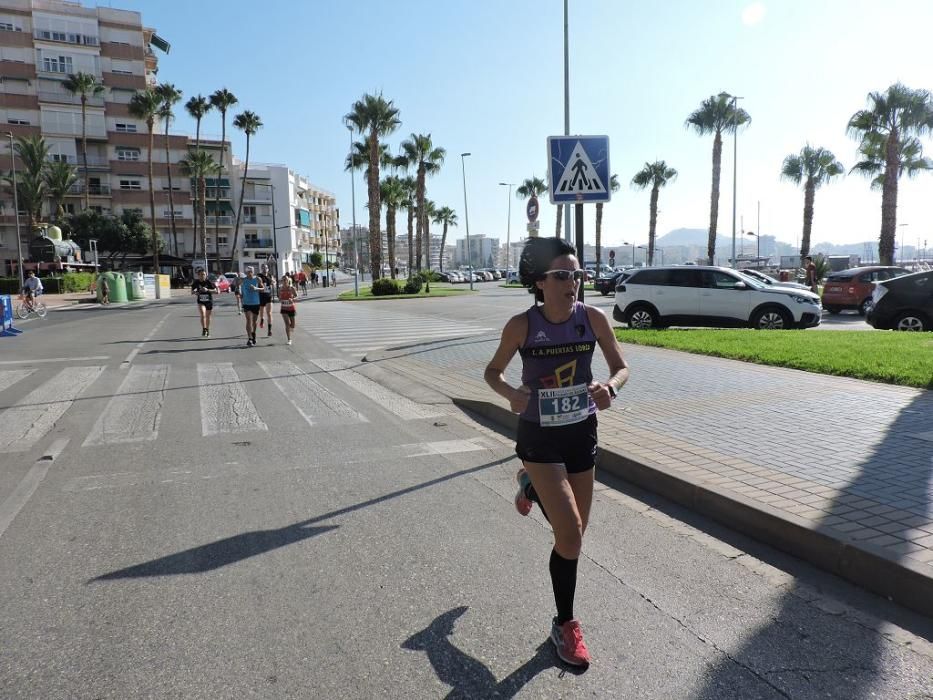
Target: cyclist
{"x": 251, "y": 288}
{"x": 205, "y": 290}
{"x": 32, "y": 287}
{"x": 557, "y": 404}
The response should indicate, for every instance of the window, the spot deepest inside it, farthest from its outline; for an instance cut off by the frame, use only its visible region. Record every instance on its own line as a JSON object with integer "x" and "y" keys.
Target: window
{"x": 121, "y": 67}
{"x": 57, "y": 64}
{"x": 125, "y": 128}
{"x": 720, "y": 280}
{"x": 658, "y": 277}
{"x": 130, "y": 185}
{"x": 20, "y": 122}
{"x": 127, "y": 153}
{"x": 58, "y": 158}
{"x": 684, "y": 278}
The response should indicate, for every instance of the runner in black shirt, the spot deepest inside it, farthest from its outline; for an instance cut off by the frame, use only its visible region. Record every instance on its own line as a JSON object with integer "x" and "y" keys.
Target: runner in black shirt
{"x": 205, "y": 289}
{"x": 265, "y": 299}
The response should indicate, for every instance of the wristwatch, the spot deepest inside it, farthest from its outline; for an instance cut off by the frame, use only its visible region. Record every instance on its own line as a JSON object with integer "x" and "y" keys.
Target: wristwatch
{"x": 612, "y": 391}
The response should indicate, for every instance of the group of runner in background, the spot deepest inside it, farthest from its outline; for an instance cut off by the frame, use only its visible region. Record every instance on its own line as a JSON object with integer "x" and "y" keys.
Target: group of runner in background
{"x": 254, "y": 298}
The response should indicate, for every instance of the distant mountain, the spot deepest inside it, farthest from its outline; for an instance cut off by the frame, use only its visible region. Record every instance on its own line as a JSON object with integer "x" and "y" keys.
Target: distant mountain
{"x": 684, "y": 236}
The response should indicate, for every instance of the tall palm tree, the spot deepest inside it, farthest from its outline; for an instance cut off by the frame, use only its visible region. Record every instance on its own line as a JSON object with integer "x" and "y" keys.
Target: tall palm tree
{"x": 531, "y": 187}
{"x": 410, "y": 187}
{"x": 446, "y": 217}
{"x": 199, "y": 166}
{"x": 814, "y": 167}
{"x": 31, "y": 185}
{"x": 170, "y": 97}
{"x": 374, "y": 117}
{"x": 420, "y": 153}
{"x": 86, "y": 85}
{"x": 59, "y": 177}
{"x": 222, "y": 100}
{"x": 716, "y": 115}
{"x": 893, "y": 120}
{"x": 197, "y": 107}
{"x": 145, "y": 105}
{"x": 613, "y": 187}
{"x": 249, "y": 123}
{"x": 654, "y": 175}
{"x": 392, "y": 194}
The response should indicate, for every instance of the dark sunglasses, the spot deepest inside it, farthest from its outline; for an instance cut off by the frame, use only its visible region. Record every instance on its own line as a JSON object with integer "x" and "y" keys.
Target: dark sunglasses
{"x": 564, "y": 275}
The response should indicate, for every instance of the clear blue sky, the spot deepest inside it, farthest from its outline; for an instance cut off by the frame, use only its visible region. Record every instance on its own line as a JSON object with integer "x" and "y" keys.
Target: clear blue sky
{"x": 485, "y": 76}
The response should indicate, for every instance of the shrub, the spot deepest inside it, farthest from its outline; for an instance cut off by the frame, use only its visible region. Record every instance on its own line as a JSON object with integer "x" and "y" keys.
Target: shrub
{"x": 413, "y": 285}
{"x": 76, "y": 282}
{"x": 385, "y": 286}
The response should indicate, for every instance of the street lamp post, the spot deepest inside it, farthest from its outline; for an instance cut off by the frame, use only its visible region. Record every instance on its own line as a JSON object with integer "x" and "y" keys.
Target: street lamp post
{"x": 356, "y": 250}
{"x": 19, "y": 242}
{"x": 275, "y": 243}
{"x": 758, "y": 239}
{"x": 903, "y": 241}
{"x": 466, "y": 216}
{"x": 508, "y": 229}
{"x": 735, "y": 162}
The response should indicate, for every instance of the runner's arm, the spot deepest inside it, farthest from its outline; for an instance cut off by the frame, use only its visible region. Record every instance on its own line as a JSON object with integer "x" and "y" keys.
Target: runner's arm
{"x": 612, "y": 351}
{"x": 512, "y": 336}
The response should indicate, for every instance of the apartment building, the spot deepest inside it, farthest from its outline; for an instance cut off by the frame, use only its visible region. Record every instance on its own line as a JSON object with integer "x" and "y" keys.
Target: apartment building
{"x": 41, "y": 43}
{"x": 483, "y": 251}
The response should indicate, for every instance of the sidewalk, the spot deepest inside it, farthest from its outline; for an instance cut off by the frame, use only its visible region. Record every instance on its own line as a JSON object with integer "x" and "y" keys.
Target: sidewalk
{"x": 836, "y": 471}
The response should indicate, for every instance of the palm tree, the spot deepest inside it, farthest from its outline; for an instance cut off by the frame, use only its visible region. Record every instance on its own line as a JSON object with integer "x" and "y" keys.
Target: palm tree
{"x": 531, "y": 187}
{"x": 145, "y": 105}
{"x": 375, "y": 117}
{"x": 197, "y": 107}
{"x": 86, "y": 85}
{"x": 613, "y": 187}
{"x": 814, "y": 167}
{"x": 31, "y": 186}
{"x": 392, "y": 194}
{"x": 170, "y": 96}
{"x": 888, "y": 132}
{"x": 717, "y": 114}
{"x": 199, "y": 166}
{"x": 410, "y": 187}
{"x": 419, "y": 152}
{"x": 222, "y": 100}
{"x": 654, "y": 175}
{"x": 59, "y": 177}
{"x": 446, "y": 217}
{"x": 249, "y": 123}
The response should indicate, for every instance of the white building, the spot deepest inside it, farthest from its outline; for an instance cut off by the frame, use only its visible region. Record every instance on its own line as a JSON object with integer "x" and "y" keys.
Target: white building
{"x": 484, "y": 252}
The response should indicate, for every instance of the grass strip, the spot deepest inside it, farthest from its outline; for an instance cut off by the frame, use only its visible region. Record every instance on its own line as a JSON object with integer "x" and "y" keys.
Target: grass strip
{"x": 890, "y": 357}
{"x": 366, "y": 294}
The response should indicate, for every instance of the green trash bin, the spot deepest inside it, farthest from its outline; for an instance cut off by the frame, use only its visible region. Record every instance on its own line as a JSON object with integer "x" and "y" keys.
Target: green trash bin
{"x": 117, "y": 283}
{"x": 135, "y": 286}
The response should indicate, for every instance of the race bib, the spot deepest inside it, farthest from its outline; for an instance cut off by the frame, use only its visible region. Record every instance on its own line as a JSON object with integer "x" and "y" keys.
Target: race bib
{"x": 287, "y": 304}
{"x": 569, "y": 404}
{"x": 204, "y": 297}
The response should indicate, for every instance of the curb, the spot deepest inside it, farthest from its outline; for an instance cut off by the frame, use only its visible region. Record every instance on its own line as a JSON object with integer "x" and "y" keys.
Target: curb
{"x": 862, "y": 564}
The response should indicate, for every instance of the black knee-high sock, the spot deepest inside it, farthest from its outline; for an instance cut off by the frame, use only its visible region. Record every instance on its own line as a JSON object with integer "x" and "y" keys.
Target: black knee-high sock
{"x": 564, "y": 581}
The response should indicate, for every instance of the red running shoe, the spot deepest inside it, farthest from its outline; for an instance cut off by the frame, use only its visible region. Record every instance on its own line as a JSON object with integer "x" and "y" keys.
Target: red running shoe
{"x": 522, "y": 502}
{"x": 261, "y": 320}
{"x": 568, "y": 638}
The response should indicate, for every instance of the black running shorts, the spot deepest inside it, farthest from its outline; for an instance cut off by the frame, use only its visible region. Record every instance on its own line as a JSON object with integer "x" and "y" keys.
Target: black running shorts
{"x": 265, "y": 299}
{"x": 572, "y": 445}
{"x": 206, "y": 304}
{"x": 287, "y": 312}
{"x": 251, "y": 308}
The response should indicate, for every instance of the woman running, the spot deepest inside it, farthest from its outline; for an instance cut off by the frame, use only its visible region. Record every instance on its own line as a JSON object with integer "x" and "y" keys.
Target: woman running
{"x": 557, "y": 403}
{"x": 287, "y": 296}
{"x": 205, "y": 290}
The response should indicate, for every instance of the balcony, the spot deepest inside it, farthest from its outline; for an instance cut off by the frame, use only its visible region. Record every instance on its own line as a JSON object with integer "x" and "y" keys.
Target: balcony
{"x": 257, "y": 196}
{"x": 78, "y": 188}
{"x": 220, "y": 220}
{"x": 68, "y": 99}
{"x": 93, "y": 161}
{"x": 258, "y": 243}
{"x": 66, "y": 37}
{"x": 257, "y": 219}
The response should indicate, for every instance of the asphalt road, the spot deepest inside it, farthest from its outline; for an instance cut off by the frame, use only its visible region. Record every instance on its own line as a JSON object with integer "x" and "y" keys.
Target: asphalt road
{"x": 187, "y": 517}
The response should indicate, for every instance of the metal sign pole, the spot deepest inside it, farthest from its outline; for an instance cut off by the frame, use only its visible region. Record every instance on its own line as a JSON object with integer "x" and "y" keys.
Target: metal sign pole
{"x": 578, "y": 229}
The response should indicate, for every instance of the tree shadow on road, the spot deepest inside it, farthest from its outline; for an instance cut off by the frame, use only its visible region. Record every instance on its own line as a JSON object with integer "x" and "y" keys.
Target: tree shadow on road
{"x": 230, "y": 550}
{"x": 813, "y": 649}
{"x": 469, "y": 677}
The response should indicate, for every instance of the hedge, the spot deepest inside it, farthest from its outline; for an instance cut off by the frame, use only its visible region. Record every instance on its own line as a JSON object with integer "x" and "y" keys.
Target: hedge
{"x": 67, "y": 283}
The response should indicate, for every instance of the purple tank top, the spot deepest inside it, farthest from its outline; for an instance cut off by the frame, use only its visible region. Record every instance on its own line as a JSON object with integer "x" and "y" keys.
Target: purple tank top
{"x": 556, "y": 355}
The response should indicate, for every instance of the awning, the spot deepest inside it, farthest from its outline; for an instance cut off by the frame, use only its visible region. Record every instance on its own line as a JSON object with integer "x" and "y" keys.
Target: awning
{"x": 212, "y": 207}
{"x": 160, "y": 43}
{"x": 210, "y": 182}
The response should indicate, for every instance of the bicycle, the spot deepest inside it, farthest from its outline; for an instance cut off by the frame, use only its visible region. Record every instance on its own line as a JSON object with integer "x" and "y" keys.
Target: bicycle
{"x": 25, "y": 310}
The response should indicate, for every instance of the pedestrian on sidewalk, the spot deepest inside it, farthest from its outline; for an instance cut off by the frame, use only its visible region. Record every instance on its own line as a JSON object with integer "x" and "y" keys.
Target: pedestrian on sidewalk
{"x": 287, "y": 296}
{"x": 250, "y": 288}
{"x": 265, "y": 299}
{"x": 205, "y": 289}
{"x": 811, "y": 281}
{"x": 104, "y": 291}
{"x": 557, "y": 404}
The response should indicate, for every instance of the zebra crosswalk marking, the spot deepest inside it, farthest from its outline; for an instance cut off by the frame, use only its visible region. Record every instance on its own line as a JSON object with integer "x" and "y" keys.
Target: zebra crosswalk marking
{"x": 9, "y": 377}
{"x": 311, "y": 399}
{"x": 133, "y": 414}
{"x": 392, "y": 402}
{"x": 36, "y": 413}
{"x": 225, "y": 405}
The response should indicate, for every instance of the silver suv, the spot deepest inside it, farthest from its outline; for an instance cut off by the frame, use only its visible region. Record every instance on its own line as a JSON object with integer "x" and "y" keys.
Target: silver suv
{"x": 696, "y": 295}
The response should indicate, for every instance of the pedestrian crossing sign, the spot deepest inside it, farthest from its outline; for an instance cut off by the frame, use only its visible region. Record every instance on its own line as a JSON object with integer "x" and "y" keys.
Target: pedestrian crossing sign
{"x": 578, "y": 169}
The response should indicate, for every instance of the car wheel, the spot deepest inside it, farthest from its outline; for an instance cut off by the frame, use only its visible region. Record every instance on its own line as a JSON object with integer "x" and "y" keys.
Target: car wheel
{"x": 772, "y": 319}
{"x": 911, "y": 321}
{"x": 642, "y": 318}
{"x": 831, "y": 309}
{"x": 605, "y": 292}
{"x": 864, "y": 307}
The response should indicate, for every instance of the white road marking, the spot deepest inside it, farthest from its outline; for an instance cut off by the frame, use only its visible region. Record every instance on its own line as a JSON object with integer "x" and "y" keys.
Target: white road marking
{"x": 445, "y": 447}
{"x": 36, "y": 413}
{"x": 139, "y": 346}
{"x": 225, "y": 405}
{"x": 133, "y": 414}
{"x": 311, "y": 399}
{"x": 9, "y": 377}
{"x": 55, "y": 359}
{"x": 24, "y": 490}
{"x": 389, "y": 400}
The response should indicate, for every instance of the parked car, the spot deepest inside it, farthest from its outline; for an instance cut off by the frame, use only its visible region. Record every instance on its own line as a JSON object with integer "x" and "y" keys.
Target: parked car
{"x": 852, "y": 289}
{"x": 607, "y": 285}
{"x": 221, "y": 282}
{"x": 698, "y": 295}
{"x": 770, "y": 281}
{"x": 903, "y": 303}
{"x": 513, "y": 277}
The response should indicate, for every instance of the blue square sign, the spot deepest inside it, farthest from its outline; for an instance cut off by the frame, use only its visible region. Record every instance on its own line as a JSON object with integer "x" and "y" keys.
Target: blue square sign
{"x": 578, "y": 169}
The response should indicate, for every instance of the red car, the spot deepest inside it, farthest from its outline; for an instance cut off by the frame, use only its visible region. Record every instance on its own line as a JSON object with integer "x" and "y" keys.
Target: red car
{"x": 221, "y": 282}
{"x": 851, "y": 289}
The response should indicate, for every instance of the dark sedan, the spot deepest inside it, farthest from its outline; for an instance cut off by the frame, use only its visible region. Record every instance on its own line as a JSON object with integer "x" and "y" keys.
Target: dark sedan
{"x": 904, "y": 303}
{"x": 607, "y": 285}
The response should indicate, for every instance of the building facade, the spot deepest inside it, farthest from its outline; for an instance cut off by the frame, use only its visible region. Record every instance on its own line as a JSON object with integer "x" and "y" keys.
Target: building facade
{"x": 483, "y": 252}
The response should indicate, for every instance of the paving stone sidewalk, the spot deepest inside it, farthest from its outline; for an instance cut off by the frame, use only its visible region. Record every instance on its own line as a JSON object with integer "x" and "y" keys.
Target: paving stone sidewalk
{"x": 847, "y": 463}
